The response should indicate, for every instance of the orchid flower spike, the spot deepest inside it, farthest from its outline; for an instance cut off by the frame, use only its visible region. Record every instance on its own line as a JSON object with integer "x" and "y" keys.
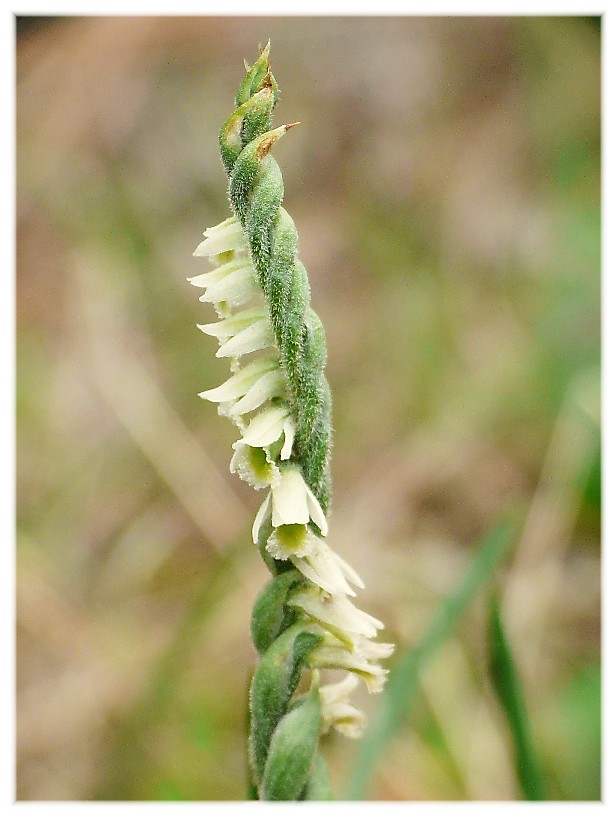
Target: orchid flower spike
{"x": 279, "y": 400}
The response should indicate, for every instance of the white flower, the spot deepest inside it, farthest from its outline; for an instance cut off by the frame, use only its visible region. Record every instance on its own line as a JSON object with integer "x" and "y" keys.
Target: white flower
{"x": 241, "y": 382}
{"x": 255, "y": 336}
{"x": 293, "y": 502}
{"x": 259, "y": 381}
{"x": 290, "y": 500}
{"x": 327, "y": 569}
{"x": 234, "y": 282}
{"x": 206, "y": 279}
{"x": 332, "y": 653}
{"x": 269, "y": 386}
{"x": 230, "y": 326}
{"x": 336, "y": 710}
{"x": 224, "y": 237}
{"x": 251, "y": 386}
{"x": 269, "y": 425}
{"x": 335, "y": 612}
{"x": 372, "y": 650}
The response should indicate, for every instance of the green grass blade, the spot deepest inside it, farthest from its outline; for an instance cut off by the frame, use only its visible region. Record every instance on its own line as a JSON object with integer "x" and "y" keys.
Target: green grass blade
{"x": 403, "y": 682}
{"x": 509, "y": 693}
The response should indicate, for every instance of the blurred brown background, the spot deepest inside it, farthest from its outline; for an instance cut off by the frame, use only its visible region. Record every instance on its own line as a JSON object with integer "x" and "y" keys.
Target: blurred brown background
{"x": 445, "y": 183}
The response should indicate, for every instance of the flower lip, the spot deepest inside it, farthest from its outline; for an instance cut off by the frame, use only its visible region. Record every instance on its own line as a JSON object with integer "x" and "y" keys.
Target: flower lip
{"x": 289, "y": 539}
{"x": 253, "y": 465}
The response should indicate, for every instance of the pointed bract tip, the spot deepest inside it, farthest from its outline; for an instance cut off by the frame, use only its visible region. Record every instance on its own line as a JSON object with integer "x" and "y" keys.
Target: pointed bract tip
{"x": 291, "y": 125}
{"x": 270, "y": 139}
{"x": 266, "y": 83}
{"x": 264, "y": 54}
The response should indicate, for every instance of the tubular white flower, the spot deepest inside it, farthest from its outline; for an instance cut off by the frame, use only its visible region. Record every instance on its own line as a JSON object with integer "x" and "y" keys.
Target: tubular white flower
{"x": 269, "y": 386}
{"x": 374, "y": 651}
{"x": 241, "y": 382}
{"x": 255, "y": 336}
{"x": 335, "y": 612}
{"x": 223, "y": 237}
{"x": 230, "y": 326}
{"x": 333, "y": 692}
{"x": 325, "y": 569}
{"x": 207, "y": 279}
{"x": 293, "y": 502}
{"x": 234, "y": 283}
{"x": 332, "y": 653}
{"x": 267, "y": 426}
{"x": 336, "y": 710}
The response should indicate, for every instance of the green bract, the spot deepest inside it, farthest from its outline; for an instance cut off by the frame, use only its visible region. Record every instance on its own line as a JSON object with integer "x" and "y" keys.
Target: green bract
{"x": 292, "y": 750}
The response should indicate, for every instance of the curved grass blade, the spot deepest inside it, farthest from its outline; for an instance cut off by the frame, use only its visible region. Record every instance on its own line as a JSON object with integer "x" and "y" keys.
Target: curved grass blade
{"x": 403, "y": 682}
{"x": 509, "y": 692}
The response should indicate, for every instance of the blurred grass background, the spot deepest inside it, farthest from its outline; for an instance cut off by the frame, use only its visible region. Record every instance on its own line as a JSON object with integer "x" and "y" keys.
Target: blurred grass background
{"x": 445, "y": 183}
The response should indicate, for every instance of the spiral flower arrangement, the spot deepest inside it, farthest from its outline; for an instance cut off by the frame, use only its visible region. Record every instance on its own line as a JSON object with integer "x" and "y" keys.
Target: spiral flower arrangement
{"x": 303, "y": 621}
